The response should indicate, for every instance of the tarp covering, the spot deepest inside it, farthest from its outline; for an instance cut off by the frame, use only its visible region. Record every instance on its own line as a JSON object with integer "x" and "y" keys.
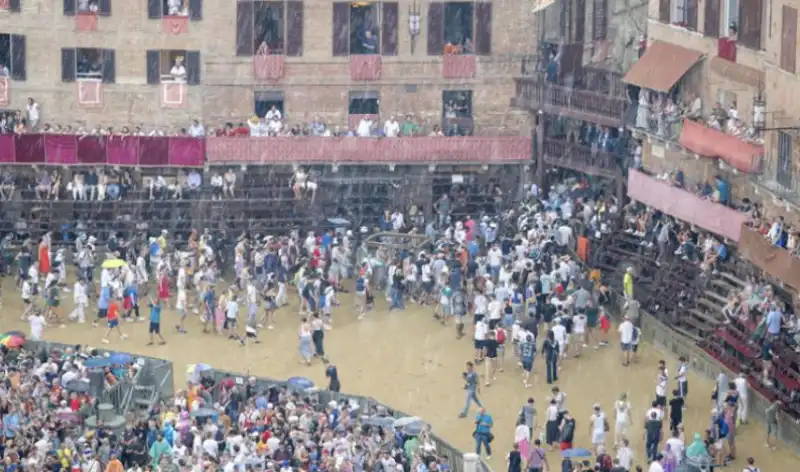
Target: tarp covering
{"x": 685, "y": 206}
{"x": 709, "y": 142}
{"x": 774, "y": 260}
{"x": 662, "y": 66}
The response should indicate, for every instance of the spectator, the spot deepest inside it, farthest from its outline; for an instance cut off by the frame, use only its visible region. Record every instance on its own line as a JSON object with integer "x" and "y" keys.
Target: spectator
{"x": 230, "y": 183}
{"x": 193, "y": 183}
{"x": 158, "y": 187}
{"x": 365, "y": 126}
{"x": 436, "y": 131}
{"x": 391, "y": 129}
{"x": 178, "y": 71}
{"x": 77, "y": 186}
{"x": 7, "y": 185}
{"x": 91, "y": 182}
{"x": 217, "y": 184}
{"x": 3, "y": 70}
{"x": 197, "y": 130}
{"x": 33, "y": 113}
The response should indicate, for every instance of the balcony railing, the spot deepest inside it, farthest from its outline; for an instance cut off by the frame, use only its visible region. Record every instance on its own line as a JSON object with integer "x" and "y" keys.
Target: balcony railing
{"x": 575, "y": 156}
{"x": 536, "y": 94}
{"x": 57, "y": 149}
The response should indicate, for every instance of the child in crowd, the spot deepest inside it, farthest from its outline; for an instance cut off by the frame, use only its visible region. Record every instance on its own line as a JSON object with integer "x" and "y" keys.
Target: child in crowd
{"x": 155, "y": 323}
{"x": 112, "y": 318}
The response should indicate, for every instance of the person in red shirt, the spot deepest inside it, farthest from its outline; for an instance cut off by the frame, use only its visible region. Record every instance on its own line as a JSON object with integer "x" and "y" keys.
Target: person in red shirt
{"x": 113, "y": 321}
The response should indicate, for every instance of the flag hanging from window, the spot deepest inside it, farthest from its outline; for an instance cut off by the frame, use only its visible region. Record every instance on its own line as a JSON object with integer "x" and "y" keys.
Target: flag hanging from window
{"x": 175, "y": 25}
{"x": 86, "y": 22}
{"x": 89, "y": 94}
{"x": 268, "y": 66}
{"x": 365, "y": 67}
{"x": 5, "y": 91}
{"x": 174, "y": 95}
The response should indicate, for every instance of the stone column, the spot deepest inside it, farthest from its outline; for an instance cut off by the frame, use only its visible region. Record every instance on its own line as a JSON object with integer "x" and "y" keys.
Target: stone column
{"x": 471, "y": 461}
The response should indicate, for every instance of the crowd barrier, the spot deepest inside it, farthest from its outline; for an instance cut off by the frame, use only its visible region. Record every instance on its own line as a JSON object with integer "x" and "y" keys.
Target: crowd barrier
{"x": 453, "y": 456}
{"x": 774, "y": 260}
{"x": 686, "y": 206}
{"x": 158, "y": 151}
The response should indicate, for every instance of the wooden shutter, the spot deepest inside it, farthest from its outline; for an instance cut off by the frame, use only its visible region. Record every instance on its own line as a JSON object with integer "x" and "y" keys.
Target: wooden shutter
{"x": 68, "y": 64}
{"x": 245, "y": 42}
{"x": 153, "y": 67}
{"x": 341, "y": 29}
{"x": 436, "y": 29}
{"x": 664, "y": 11}
{"x": 712, "y": 20}
{"x": 789, "y": 39}
{"x": 195, "y": 10}
{"x": 14, "y": 6}
{"x": 599, "y": 20}
{"x": 580, "y": 21}
{"x": 294, "y": 28}
{"x": 193, "y": 67}
{"x": 18, "y": 55}
{"x": 750, "y": 23}
{"x": 154, "y": 9}
{"x": 389, "y": 20}
{"x": 70, "y": 7}
{"x": 109, "y": 66}
{"x": 483, "y": 29}
{"x": 691, "y": 15}
{"x": 104, "y": 7}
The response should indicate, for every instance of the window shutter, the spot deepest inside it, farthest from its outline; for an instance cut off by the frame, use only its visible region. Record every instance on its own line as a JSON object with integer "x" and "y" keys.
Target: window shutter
{"x": 294, "y": 28}
{"x": 154, "y": 9}
{"x": 389, "y": 20}
{"x": 244, "y": 29}
{"x": 153, "y": 67}
{"x": 193, "y": 67}
{"x": 109, "y": 66}
{"x": 483, "y": 29}
{"x": 195, "y": 10}
{"x": 711, "y": 22}
{"x": 580, "y": 21}
{"x": 664, "y": 11}
{"x": 691, "y": 15}
{"x": 341, "y": 29}
{"x": 789, "y": 39}
{"x": 104, "y": 7}
{"x": 750, "y": 23}
{"x": 14, "y": 6}
{"x": 68, "y": 64}
{"x": 70, "y": 7}
{"x": 436, "y": 29}
{"x": 18, "y": 55}
{"x": 600, "y": 20}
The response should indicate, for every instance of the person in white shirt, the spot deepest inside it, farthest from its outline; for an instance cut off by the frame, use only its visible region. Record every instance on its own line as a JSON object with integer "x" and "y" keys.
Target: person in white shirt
{"x": 481, "y": 329}
{"x": 197, "y": 130}
{"x": 216, "y": 186}
{"x": 178, "y": 71}
{"x": 231, "y": 315}
{"x": 676, "y": 445}
{"x": 364, "y": 129}
{"x": 560, "y": 335}
{"x": 656, "y": 466}
{"x": 742, "y": 388}
{"x": 625, "y": 455}
{"x": 598, "y": 426}
{"x": 27, "y": 296}
{"x": 683, "y": 385}
{"x": 495, "y": 259}
{"x": 391, "y": 128}
{"x": 33, "y": 113}
{"x": 495, "y": 309}
{"x": 79, "y": 296}
{"x": 626, "y": 339}
{"x": 662, "y": 381}
{"x": 274, "y": 114}
{"x": 579, "y": 330}
{"x": 38, "y": 324}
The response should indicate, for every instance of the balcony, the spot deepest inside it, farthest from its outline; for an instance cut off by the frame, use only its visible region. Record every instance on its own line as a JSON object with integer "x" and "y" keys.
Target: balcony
{"x": 774, "y": 260}
{"x": 686, "y": 206}
{"x": 408, "y": 150}
{"x": 535, "y": 93}
{"x": 562, "y": 153}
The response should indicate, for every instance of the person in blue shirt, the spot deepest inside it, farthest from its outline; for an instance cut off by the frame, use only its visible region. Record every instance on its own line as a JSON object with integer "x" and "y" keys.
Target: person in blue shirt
{"x": 209, "y": 303}
{"x": 155, "y": 322}
{"x": 483, "y": 432}
{"x": 723, "y": 190}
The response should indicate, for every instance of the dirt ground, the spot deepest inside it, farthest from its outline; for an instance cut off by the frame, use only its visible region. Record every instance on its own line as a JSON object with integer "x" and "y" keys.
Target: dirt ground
{"x": 407, "y": 360}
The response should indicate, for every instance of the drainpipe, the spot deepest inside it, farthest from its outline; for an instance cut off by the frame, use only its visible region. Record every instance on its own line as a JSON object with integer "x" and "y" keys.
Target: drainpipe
{"x": 538, "y": 140}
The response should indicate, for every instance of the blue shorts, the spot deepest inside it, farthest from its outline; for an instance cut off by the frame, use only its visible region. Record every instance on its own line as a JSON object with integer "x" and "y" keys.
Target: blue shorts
{"x": 527, "y": 365}
{"x": 113, "y": 323}
{"x": 625, "y": 347}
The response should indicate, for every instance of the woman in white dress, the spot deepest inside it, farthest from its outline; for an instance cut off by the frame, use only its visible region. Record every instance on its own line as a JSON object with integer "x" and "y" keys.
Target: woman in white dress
{"x": 643, "y": 113}
{"x": 623, "y": 411}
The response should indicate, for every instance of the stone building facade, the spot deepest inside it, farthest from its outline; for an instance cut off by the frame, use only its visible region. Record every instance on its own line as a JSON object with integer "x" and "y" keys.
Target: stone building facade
{"x": 223, "y": 86}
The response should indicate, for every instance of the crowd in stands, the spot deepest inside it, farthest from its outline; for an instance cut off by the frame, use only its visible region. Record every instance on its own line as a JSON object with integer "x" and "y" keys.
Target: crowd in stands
{"x": 45, "y": 405}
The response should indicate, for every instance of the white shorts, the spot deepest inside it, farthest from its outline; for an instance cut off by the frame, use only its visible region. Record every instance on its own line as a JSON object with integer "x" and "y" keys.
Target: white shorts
{"x": 598, "y": 437}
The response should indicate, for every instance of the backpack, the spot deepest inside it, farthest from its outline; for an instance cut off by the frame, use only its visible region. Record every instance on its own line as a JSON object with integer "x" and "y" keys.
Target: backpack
{"x": 360, "y": 285}
{"x": 501, "y": 336}
{"x": 635, "y": 334}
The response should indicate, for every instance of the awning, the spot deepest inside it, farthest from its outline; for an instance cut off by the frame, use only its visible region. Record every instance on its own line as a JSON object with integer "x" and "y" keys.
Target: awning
{"x": 662, "y": 66}
{"x": 736, "y": 72}
{"x": 775, "y": 261}
{"x": 539, "y": 5}
{"x": 711, "y": 143}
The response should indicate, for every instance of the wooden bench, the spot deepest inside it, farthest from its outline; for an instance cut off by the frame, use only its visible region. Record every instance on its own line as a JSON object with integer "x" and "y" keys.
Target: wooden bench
{"x": 698, "y": 338}
{"x": 698, "y": 326}
{"x": 710, "y": 304}
{"x": 724, "y": 286}
{"x": 733, "y": 279}
{"x": 703, "y": 318}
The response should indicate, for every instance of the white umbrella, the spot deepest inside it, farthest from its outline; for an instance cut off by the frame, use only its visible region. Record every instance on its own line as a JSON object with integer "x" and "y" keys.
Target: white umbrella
{"x": 406, "y": 420}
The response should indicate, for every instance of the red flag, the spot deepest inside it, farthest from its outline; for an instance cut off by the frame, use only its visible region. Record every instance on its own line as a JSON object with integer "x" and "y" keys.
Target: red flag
{"x": 268, "y": 66}
{"x": 365, "y": 67}
{"x": 458, "y": 66}
{"x": 175, "y": 25}
{"x": 86, "y": 22}
{"x": 89, "y": 94}
{"x": 174, "y": 95}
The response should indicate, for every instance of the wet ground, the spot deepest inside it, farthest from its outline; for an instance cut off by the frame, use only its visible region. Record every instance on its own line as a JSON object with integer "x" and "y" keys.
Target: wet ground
{"x": 407, "y": 360}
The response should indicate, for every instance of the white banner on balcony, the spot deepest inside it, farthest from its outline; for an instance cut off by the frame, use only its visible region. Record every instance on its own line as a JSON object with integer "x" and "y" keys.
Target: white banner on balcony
{"x": 539, "y": 5}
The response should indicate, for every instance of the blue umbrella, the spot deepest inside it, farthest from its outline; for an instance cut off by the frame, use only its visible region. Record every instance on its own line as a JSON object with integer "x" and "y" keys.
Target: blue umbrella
{"x": 413, "y": 429}
{"x": 571, "y": 453}
{"x": 120, "y": 359}
{"x": 300, "y": 383}
{"x": 382, "y": 421}
{"x": 95, "y": 362}
{"x": 15, "y": 333}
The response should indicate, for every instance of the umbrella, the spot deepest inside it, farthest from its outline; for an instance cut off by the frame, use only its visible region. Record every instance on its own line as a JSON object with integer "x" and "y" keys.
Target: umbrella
{"x": 120, "y": 359}
{"x": 96, "y": 362}
{"x": 300, "y": 383}
{"x": 405, "y": 421}
{"x": 113, "y": 263}
{"x": 197, "y": 368}
{"x": 14, "y": 333}
{"x": 78, "y": 386}
{"x": 413, "y": 429}
{"x": 570, "y": 453}
{"x": 204, "y": 412}
{"x": 382, "y": 421}
{"x": 12, "y": 342}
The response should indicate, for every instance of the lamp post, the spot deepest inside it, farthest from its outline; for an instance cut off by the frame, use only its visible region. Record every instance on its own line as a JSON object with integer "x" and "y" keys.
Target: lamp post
{"x": 414, "y": 18}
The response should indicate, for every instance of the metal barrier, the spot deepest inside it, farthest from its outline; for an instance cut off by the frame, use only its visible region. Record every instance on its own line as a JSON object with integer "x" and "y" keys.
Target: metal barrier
{"x": 444, "y": 450}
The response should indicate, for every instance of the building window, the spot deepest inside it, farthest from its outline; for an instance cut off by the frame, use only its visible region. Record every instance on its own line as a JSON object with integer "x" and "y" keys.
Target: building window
{"x": 458, "y": 28}
{"x": 785, "y": 166}
{"x": 457, "y": 117}
{"x": 177, "y": 66}
{"x": 269, "y": 28}
{"x": 83, "y": 7}
{"x": 730, "y": 17}
{"x": 364, "y": 103}
{"x": 90, "y": 64}
{"x": 12, "y": 56}
{"x": 263, "y": 101}
{"x": 364, "y": 28}
{"x": 160, "y": 8}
